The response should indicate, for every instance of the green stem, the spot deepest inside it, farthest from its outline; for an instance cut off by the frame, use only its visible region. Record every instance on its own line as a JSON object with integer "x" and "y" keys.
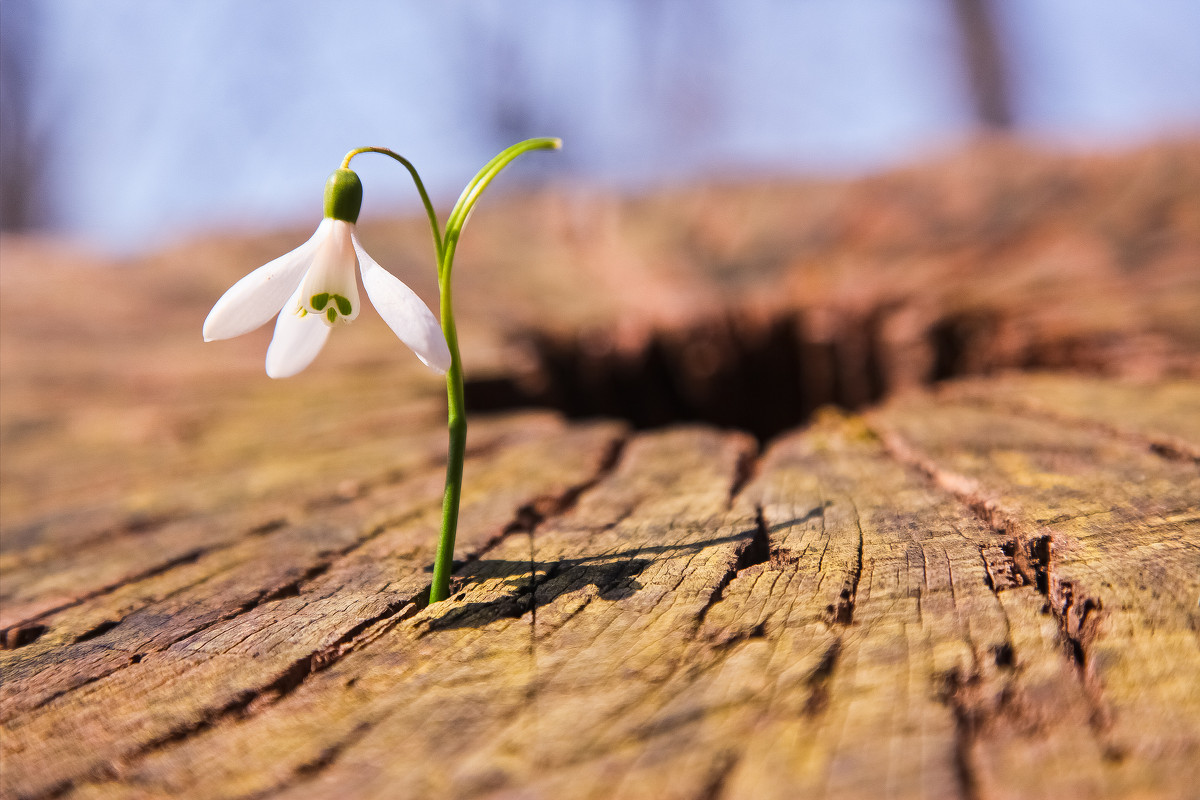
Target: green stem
{"x": 429, "y": 212}
{"x": 443, "y": 564}
{"x": 466, "y": 201}
{"x": 440, "y": 589}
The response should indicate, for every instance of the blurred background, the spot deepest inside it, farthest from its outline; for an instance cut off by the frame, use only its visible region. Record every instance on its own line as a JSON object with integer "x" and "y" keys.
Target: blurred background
{"x": 127, "y": 124}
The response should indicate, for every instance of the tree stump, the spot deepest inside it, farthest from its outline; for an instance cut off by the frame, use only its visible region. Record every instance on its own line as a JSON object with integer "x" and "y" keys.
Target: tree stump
{"x": 682, "y": 572}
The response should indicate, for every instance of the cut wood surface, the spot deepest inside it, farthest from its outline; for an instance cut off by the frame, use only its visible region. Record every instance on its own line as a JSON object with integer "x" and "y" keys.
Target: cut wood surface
{"x": 214, "y": 585}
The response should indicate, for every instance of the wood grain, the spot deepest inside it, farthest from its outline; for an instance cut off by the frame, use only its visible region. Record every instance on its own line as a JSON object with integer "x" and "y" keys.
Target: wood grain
{"x": 214, "y": 586}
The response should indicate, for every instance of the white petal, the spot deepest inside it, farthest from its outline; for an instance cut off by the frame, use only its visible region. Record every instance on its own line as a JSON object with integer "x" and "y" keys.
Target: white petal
{"x": 331, "y": 277}
{"x": 257, "y": 297}
{"x": 404, "y": 312}
{"x": 297, "y": 341}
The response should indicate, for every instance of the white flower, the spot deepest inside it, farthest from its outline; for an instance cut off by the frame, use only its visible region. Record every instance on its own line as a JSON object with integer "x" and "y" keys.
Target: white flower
{"x": 312, "y": 289}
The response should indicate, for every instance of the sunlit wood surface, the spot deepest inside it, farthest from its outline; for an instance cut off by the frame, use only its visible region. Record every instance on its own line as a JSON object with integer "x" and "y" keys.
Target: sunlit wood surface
{"x": 213, "y": 584}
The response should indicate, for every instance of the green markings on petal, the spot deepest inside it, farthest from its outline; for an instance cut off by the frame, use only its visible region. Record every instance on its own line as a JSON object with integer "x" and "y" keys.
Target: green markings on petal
{"x": 333, "y": 305}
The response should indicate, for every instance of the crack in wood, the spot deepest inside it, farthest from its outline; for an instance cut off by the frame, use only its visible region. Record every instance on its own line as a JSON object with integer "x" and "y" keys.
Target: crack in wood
{"x": 134, "y": 524}
{"x": 311, "y": 770}
{"x": 1171, "y": 448}
{"x": 245, "y": 704}
{"x": 539, "y": 510}
{"x": 525, "y": 521}
{"x": 291, "y": 588}
{"x": 134, "y": 658}
{"x": 767, "y": 375}
{"x": 753, "y": 552}
{"x": 726, "y": 762}
{"x": 842, "y": 612}
{"x": 139, "y": 525}
{"x": 1016, "y": 562}
{"x": 960, "y": 695}
{"x": 717, "y": 370}
{"x": 190, "y": 557}
{"x": 747, "y": 467}
{"x": 1031, "y": 557}
{"x": 818, "y": 680}
{"x": 21, "y": 634}
{"x": 98, "y": 630}
{"x": 1175, "y": 449}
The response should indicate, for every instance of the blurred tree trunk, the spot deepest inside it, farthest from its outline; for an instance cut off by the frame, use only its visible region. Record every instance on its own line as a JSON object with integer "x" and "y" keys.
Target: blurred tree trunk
{"x": 18, "y": 158}
{"x": 986, "y": 66}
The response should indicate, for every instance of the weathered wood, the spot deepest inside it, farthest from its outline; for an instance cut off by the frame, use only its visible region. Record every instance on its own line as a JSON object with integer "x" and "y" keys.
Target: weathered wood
{"x": 1011, "y": 600}
{"x": 213, "y": 586}
{"x": 1110, "y": 534}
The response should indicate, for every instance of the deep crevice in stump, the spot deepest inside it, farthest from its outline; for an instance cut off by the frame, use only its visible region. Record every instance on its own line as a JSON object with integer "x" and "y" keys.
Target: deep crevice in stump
{"x": 768, "y": 375}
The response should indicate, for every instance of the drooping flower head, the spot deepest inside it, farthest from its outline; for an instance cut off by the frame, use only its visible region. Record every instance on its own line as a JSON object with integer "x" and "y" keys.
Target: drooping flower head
{"x": 313, "y": 288}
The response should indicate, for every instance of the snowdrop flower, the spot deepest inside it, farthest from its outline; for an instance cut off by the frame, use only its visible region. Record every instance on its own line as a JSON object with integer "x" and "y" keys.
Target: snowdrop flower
{"x": 313, "y": 289}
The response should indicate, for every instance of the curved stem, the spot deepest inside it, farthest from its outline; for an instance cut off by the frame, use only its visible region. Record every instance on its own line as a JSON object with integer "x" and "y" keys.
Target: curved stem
{"x": 451, "y": 499}
{"x": 429, "y": 212}
{"x": 466, "y": 201}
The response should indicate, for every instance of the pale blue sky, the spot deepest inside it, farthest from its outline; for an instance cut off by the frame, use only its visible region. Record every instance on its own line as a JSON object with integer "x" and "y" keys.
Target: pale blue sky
{"x": 164, "y": 119}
